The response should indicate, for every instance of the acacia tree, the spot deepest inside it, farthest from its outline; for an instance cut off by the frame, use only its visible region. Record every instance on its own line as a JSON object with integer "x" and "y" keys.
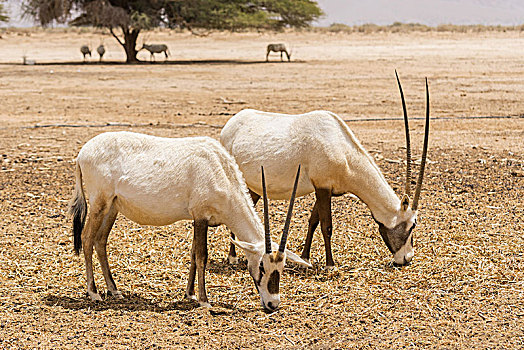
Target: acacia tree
{"x": 125, "y": 19}
{"x": 3, "y": 16}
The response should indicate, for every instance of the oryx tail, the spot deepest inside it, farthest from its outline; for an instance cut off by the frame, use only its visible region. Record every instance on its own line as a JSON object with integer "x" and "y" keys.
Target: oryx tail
{"x": 78, "y": 210}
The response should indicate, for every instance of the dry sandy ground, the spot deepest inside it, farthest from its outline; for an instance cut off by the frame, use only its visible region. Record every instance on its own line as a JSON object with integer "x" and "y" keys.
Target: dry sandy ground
{"x": 463, "y": 290}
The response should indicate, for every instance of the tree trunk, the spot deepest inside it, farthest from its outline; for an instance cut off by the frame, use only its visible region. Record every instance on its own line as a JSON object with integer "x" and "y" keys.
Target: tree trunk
{"x": 129, "y": 43}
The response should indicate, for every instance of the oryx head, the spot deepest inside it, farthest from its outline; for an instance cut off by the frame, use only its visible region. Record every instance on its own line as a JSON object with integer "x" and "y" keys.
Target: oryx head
{"x": 265, "y": 265}
{"x": 399, "y": 238}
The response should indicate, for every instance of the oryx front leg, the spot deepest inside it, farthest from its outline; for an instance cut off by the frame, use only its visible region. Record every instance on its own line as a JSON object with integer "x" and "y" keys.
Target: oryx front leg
{"x": 101, "y": 251}
{"x": 313, "y": 223}
{"x": 326, "y": 225}
{"x": 96, "y": 217}
{"x": 198, "y": 263}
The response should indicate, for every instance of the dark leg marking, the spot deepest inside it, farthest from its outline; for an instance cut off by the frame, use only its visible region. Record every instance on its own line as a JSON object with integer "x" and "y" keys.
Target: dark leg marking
{"x": 313, "y": 223}
{"x": 324, "y": 213}
{"x": 190, "y": 291}
{"x": 101, "y": 249}
{"x": 200, "y": 248}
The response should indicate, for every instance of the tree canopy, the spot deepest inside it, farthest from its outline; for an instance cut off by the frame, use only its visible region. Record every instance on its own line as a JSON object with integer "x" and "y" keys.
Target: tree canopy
{"x": 3, "y": 16}
{"x": 132, "y": 16}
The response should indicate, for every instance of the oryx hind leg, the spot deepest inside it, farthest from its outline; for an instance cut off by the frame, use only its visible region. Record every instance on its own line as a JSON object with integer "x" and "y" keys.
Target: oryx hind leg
{"x": 98, "y": 211}
{"x": 101, "y": 250}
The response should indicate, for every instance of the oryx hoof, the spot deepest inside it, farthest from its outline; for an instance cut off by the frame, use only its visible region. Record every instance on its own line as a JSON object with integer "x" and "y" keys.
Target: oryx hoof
{"x": 94, "y": 296}
{"x": 233, "y": 260}
{"x": 204, "y": 304}
{"x": 191, "y": 297}
{"x": 115, "y": 294}
{"x": 331, "y": 269}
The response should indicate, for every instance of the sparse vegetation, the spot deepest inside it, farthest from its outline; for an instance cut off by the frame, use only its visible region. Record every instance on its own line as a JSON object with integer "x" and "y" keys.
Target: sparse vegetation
{"x": 133, "y": 16}
{"x": 399, "y": 27}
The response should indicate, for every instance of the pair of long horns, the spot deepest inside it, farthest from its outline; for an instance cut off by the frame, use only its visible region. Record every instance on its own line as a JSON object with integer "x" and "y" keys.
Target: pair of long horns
{"x": 408, "y": 147}
{"x": 285, "y": 233}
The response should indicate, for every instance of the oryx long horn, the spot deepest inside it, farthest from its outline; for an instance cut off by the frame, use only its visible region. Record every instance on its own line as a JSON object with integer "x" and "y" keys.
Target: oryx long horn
{"x": 266, "y": 215}
{"x": 408, "y": 142}
{"x": 283, "y": 240}
{"x": 424, "y": 153}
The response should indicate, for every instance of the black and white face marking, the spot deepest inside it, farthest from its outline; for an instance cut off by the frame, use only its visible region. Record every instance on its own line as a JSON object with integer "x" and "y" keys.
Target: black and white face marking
{"x": 396, "y": 237}
{"x": 267, "y": 279}
{"x": 399, "y": 240}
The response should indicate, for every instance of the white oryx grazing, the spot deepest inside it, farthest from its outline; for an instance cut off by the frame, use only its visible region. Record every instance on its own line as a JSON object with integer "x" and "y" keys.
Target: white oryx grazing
{"x": 101, "y": 50}
{"x": 158, "y": 181}
{"x": 333, "y": 163}
{"x": 85, "y": 50}
{"x": 155, "y": 48}
{"x": 278, "y": 48}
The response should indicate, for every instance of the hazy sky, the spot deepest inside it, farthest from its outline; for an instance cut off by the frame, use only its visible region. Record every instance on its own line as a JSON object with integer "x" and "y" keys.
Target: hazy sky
{"x": 431, "y": 12}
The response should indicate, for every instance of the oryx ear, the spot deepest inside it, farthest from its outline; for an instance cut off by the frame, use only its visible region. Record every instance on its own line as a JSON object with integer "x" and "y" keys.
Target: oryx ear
{"x": 405, "y": 202}
{"x": 250, "y": 247}
{"x": 297, "y": 259}
{"x": 290, "y": 256}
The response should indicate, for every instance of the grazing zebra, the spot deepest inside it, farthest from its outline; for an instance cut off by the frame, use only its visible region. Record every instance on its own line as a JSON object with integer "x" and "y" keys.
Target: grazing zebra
{"x": 85, "y": 50}
{"x": 278, "y": 48}
{"x": 156, "y": 48}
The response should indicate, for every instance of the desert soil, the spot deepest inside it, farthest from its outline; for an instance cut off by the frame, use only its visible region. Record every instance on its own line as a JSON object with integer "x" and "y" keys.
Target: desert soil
{"x": 464, "y": 288}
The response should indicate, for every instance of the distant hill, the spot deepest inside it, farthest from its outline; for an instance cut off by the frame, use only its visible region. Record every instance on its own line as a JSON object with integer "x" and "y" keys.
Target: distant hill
{"x": 429, "y": 12}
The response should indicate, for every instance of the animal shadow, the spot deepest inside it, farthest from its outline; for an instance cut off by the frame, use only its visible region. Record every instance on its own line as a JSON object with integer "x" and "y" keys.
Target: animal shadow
{"x": 167, "y": 62}
{"x": 134, "y": 302}
{"x": 223, "y": 267}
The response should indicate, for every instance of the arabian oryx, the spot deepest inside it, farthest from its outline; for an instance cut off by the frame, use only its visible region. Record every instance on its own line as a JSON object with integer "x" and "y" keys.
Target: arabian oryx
{"x": 85, "y": 50}
{"x": 333, "y": 162}
{"x": 155, "y": 48}
{"x": 157, "y": 181}
{"x": 278, "y": 48}
{"x": 101, "y": 50}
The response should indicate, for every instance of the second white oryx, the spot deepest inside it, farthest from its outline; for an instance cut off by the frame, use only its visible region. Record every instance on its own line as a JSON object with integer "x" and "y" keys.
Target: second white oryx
{"x": 157, "y": 181}
{"x": 333, "y": 162}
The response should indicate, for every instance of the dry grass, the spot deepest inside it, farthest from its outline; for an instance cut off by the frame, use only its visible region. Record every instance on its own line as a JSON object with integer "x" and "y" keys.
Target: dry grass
{"x": 463, "y": 290}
